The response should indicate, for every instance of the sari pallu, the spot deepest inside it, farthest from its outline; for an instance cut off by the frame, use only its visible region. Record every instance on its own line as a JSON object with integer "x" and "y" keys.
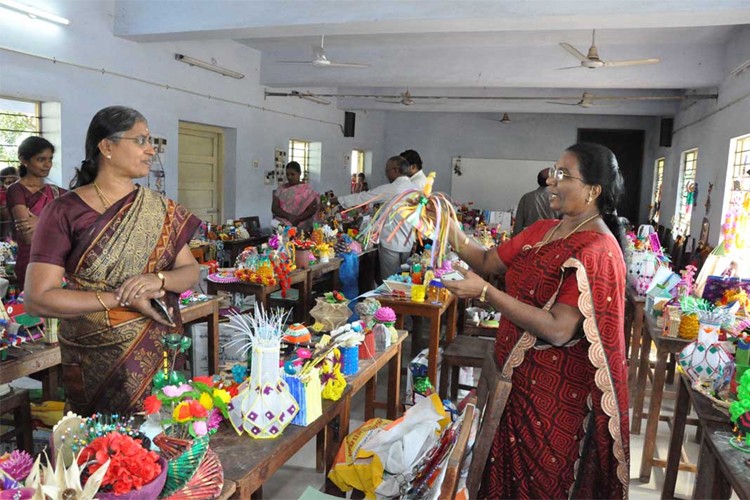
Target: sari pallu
{"x": 564, "y": 432}
{"x": 110, "y": 357}
{"x": 295, "y": 200}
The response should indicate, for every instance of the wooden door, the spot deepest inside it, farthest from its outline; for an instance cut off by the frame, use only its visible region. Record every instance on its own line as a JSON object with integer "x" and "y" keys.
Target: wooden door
{"x": 627, "y": 145}
{"x": 199, "y": 183}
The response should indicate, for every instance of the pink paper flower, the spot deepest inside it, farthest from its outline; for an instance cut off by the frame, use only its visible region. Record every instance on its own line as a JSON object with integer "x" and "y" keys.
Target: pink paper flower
{"x": 199, "y": 427}
{"x": 174, "y": 391}
{"x": 385, "y": 315}
{"x": 214, "y": 419}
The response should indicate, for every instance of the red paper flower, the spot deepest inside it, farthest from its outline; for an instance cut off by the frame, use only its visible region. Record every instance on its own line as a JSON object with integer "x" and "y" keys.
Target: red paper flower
{"x": 197, "y": 410}
{"x": 209, "y": 381}
{"x": 151, "y": 404}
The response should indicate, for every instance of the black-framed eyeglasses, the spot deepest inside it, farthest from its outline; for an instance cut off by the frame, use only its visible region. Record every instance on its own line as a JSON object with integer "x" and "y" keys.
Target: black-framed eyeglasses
{"x": 558, "y": 175}
{"x": 141, "y": 140}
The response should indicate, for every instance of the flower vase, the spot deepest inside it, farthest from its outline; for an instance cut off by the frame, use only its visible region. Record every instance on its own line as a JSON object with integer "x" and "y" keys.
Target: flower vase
{"x": 704, "y": 360}
{"x": 349, "y": 360}
{"x": 266, "y": 406}
{"x": 302, "y": 258}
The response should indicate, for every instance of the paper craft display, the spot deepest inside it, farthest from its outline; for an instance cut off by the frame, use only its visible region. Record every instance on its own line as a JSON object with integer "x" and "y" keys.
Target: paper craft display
{"x": 717, "y": 285}
{"x": 263, "y": 406}
{"x": 306, "y": 390}
{"x": 330, "y": 315}
{"x": 297, "y": 333}
{"x": 705, "y": 361}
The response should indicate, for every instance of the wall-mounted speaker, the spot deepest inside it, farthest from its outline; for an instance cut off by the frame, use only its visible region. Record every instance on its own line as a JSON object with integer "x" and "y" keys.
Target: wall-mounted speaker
{"x": 665, "y": 132}
{"x": 349, "y": 123}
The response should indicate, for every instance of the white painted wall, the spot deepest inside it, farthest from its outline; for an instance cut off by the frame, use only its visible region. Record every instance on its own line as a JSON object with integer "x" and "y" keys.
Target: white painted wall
{"x": 251, "y": 133}
{"x": 709, "y": 126}
{"x": 440, "y": 136}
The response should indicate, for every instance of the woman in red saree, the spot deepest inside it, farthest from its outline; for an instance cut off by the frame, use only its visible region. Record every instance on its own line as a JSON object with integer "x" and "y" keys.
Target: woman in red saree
{"x": 119, "y": 245}
{"x": 27, "y": 198}
{"x": 564, "y": 431}
{"x": 295, "y": 203}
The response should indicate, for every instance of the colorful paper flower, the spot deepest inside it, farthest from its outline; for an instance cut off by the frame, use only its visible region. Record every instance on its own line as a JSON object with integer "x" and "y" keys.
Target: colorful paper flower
{"x": 151, "y": 404}
{"x": 181, "y": 412}
{"x": 206, "y": 401}
{"x": 197, "y": 410}
{"x": 200, "y": 428}
{"x": 209, "y": 381}
{"x": 175, "y": 391}
{"x": 223, "y": 395}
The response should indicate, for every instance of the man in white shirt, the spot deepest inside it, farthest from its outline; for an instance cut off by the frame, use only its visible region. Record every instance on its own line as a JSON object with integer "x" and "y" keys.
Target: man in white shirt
{"x": 415, "y": 167}
{"x": 391, "y": 254}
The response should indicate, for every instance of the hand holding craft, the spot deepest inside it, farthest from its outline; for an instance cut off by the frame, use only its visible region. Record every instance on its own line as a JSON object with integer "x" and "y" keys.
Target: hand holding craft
{"x": 470, "y": 287}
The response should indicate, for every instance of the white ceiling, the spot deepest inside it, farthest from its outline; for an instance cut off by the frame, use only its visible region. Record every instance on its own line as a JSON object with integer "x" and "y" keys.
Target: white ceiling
{"x": 506, "y": 49}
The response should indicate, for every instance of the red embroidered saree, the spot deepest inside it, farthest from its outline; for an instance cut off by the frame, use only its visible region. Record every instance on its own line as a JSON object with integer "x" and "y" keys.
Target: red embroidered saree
{"x": 110, "y": 357}
{"x": 564, "y": 432}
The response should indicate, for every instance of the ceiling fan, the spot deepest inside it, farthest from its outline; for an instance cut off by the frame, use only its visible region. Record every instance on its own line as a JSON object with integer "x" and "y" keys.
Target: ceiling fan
{"x": 592, "y": 61}
{"x": 321, "y": 61}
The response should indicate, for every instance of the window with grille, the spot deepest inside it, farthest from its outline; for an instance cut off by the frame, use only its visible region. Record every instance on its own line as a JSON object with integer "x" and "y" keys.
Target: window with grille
{"x": 738, "y": 175}
{"x": 686, "y": 194}
{"x": 656, "y": 195}
{"x": 18, "y": 120}
{"x": 299, "y": 151}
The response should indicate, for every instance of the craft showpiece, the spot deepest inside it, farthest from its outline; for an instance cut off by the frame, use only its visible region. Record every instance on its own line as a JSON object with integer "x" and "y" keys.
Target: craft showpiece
{"x": 412, "y": 207}
{"x": 331, "y": 310}
{"x": 297, "y": 333}
{"x": 704, "y": 360}
{"x": 740, "y": 414}
{"x": 264, "y": 406}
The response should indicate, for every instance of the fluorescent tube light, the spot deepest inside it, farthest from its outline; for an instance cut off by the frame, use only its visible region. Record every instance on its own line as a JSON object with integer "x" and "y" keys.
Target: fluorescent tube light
{"x": 33, "y": 12}
{"x": 206, "y": 65}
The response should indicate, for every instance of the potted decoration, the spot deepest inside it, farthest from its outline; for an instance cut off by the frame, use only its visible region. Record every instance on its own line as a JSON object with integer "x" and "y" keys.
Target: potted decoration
{"x": 383, "y": 329}
{"x": 303, "y": 248}
{"x": 366, "y": 310}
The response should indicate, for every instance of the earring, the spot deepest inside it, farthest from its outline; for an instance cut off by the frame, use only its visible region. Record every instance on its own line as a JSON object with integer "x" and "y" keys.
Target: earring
{"x": 109, "y": 157}
{"x": 588, "y": 199}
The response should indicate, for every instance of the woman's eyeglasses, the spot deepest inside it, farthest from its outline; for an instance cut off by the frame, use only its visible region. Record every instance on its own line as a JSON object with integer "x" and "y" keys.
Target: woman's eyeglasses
{"x": 141, "y": 140}
{"x": 558, "y": 175}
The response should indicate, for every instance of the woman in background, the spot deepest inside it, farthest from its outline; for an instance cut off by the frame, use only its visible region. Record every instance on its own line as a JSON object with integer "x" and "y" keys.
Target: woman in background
{"x": 27, "y": 198}
{"x": 8, "y": 176}
{"x": 295, "y": 203}
{"x": 119, "y": 245}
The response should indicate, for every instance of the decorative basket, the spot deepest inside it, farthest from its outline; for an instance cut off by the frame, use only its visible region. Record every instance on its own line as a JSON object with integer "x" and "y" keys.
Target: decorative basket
{"x": 193, "y": 469}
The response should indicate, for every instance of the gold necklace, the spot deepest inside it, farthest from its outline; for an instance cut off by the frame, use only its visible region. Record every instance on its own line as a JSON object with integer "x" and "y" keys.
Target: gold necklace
{"x": 579, "y": 226}
{"x": 102, "y": 197}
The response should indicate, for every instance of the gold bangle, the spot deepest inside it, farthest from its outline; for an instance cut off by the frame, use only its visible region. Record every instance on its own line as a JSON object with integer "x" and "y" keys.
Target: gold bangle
{"x": 99, "y": 298}
{"x": 483, "y": 295}
{"x": 466, "y": 241}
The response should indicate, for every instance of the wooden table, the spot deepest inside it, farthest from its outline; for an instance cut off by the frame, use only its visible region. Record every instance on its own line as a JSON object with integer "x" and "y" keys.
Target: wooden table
{"x": 31, "y": 358}
{"x": 433, "y": 311}
{"x": 206, "y": 311}
{"x": 710, "y": 419}
{"x": 250, "y": 462}
{"x": 664, "y": 346}
{"x": 721, "y": 468}
{"x": 634, "y": 316}
{"x": 298, "y": 280}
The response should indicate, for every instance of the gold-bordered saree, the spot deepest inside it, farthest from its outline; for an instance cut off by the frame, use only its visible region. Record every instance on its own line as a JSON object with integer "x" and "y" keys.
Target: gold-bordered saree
{"x": 110, "y": 357}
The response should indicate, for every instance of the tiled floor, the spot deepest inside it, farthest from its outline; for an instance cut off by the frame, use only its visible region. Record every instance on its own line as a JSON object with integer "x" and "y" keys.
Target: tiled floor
{"x": 292, "y": 479}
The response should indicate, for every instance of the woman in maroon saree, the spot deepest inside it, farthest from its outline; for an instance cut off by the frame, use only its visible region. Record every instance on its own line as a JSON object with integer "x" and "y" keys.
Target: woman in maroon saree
{"x": 119, "y": 245}
{"x": 27, "y": 197}
{"x": 564, "y": 431}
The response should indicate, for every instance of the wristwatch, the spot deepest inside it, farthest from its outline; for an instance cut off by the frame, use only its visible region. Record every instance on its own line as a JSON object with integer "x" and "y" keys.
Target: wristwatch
{"x": 483, "y": 295}
{"x": 161, "y": 276}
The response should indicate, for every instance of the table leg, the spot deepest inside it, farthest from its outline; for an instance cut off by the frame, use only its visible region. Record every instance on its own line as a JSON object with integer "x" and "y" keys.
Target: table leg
{"x": 394, "y": 385}
{"x": 320, "y": 449}
{"x": 370, "y": 394}
{"x": 400, "y": 322}
{"x": 432, "y": 353}
{"x": 654, "y": 409}
{"x": 640, "y": 387}
{"x": 628, "y": 326}
{"x": 636, "y": 340}
{"x": 335, "y": 280}
{"x": 50, "y": 382}
{"x": 682, "y": 405}
{"x": 211, "y": 288}
{"x": 710, "y": 481}
{"x": 450, "y": 317}
{"x": 213, "y": 342}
